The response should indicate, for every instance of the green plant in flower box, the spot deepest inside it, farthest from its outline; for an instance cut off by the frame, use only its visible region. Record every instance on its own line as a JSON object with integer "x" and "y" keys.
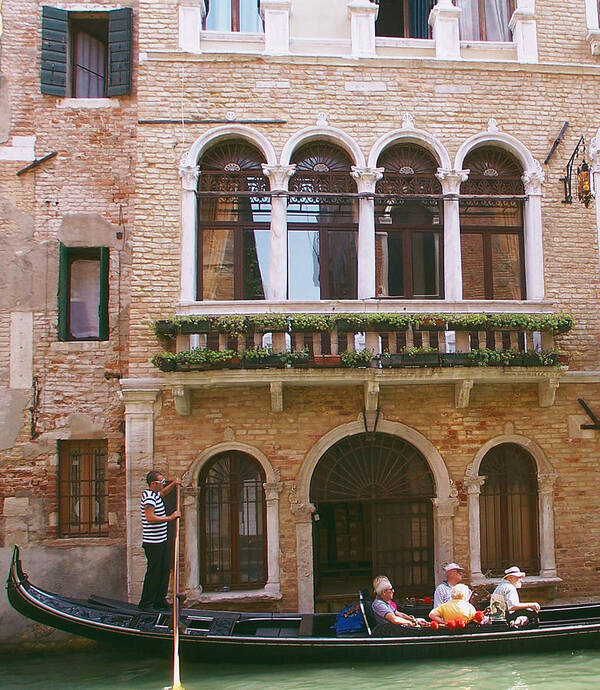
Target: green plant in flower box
{"x": 269, "y": 323}
{"x": 295, "y": 357}
{"x": 232, "y": 324}
{"x": 165, "y": 361}
{"x": 311, "y": 323}
{"x": 466, "y": 322}
{"x": 193, "y": 324}
{"x": 357, "y": 359}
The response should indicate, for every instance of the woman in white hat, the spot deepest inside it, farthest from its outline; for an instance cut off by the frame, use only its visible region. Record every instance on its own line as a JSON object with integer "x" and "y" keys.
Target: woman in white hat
{"x": 505, "y": 598}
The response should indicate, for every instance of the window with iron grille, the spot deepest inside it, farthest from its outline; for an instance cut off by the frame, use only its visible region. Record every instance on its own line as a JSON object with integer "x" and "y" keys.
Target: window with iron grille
{"x": 232, "y": 513}
{"x": 233, "y": 15}
{"x": 409, "y": 225}
{"x": 234, "y": 214}
{"x": 322, "y": 225}
{"x": 404, "y": 18}
{"x": 491, "y": 226}
{"x": 86, "y": 54}
{"x": 82, "y": 488}
{"x": 485, "y": 20}
{"x": 508, "y": 506}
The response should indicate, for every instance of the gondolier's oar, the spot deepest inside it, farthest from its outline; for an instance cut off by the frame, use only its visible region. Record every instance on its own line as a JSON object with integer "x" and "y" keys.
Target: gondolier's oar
{"x": 176, "y": 603}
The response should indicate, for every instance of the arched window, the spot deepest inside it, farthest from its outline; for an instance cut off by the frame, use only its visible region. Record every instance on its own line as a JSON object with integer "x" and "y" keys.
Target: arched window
{"x": 491, "y": 226}
{"x": 322, "y": 225}
{"x": 404, "y": 18}
{"x": 373, "y": 497}
{"x": 232, "y": 523}
{"x": 508, "y": 510}
{"x": 485, "y": 20}
{"x": 233, "y": 223}
{"x": 409, "y": 225}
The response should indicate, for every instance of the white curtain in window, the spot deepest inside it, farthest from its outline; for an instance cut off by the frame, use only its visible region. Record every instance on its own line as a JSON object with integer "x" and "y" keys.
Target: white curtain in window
{"x": 496, "y": 20}
{"x": 250, "y": 20}
{"x": 85, "y": 299}
{"x": 469, "y": 20}
{"x": 219, "y": 16}
{"x": 89, "y": 70}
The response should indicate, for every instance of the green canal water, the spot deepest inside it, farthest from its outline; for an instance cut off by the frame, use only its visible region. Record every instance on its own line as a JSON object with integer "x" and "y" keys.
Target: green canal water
{"x": 100, "y": 668}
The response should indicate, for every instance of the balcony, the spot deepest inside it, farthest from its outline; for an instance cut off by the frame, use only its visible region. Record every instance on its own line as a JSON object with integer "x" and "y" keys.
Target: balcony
{"x": 361, "y": 349}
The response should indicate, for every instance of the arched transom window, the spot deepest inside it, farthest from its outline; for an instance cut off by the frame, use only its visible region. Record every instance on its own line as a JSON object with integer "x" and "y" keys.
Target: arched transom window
{"x": 322, "y": 225}
{"x": 233, "y": 223}
{"x": 508, "y": 510}
{"x": 491, "y": 226}
{"x": 409, "y": 225}
{"x": 232, "y": 523}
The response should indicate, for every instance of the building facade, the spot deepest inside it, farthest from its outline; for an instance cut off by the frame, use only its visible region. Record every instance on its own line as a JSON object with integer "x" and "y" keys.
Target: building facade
{"x": 192, "y": 187}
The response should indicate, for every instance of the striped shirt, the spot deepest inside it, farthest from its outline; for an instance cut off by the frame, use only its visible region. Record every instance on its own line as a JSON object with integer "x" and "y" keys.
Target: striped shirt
{"x": 153, "y": 532}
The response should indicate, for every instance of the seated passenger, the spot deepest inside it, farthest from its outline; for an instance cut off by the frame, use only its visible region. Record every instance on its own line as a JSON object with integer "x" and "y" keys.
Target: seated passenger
{"x": 457, "y": 609}
{"x": 454, "y": 575}
{"x": 383, "y": 607}
{"x": 505, "y": 599}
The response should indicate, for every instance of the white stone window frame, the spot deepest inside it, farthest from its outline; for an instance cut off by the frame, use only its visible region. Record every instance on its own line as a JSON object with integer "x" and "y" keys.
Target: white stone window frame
{"x": 533, "y": 177}
{"x": 546, "y": 477}
{"x": 445, "y": 501}
{"x": 190, "y": 515}
{"x": 592, "y": 17}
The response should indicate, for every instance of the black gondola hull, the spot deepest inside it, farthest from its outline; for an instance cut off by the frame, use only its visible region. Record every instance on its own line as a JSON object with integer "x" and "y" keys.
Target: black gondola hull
{"x": 281, "y": 638}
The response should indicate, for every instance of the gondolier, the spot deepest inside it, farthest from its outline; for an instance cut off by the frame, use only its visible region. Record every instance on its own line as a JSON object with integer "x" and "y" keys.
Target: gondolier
{"x": 154, "y": 541}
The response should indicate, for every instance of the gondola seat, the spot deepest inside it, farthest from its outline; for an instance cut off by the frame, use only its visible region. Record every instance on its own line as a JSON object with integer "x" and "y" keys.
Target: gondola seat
{"x": 367, "y": 611}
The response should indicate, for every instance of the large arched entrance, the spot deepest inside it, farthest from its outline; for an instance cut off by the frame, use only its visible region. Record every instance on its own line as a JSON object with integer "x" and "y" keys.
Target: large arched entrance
{"x": 372, "y": 494}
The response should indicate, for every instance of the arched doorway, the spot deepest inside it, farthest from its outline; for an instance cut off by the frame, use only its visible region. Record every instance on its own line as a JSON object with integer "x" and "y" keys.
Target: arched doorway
{"x": 372, "y": 494}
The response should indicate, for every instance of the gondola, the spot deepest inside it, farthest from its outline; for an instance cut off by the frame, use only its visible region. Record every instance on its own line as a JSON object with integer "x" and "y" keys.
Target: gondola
{"x": 281, "y": 637}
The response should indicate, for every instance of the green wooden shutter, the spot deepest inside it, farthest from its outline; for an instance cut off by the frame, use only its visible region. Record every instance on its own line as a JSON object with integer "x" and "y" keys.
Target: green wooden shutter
{"x": 119, "y": 52}
{"x": 63, "y": 292}
{"x": 55, "y": 51}
{"x": 103, "y": 301}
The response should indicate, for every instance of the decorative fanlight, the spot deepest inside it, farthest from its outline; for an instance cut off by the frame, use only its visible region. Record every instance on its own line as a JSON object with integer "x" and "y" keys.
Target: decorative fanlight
{"x": 584, "y": 178}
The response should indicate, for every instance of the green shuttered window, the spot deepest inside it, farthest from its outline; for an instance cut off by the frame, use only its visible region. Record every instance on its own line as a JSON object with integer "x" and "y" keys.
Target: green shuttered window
{"x": 83, "y": 293}
{"x": 85, "y": 54}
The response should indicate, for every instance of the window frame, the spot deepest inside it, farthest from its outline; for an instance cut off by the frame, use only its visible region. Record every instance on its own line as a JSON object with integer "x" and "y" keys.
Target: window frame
{"x": 406, "y": 21}
{"x": 57, "y": 50}
{"x": 235, "y": 16}
{"x": 65, "y": 482}
{"x": 511, "y": 6}
{"x": 67, "y": 255}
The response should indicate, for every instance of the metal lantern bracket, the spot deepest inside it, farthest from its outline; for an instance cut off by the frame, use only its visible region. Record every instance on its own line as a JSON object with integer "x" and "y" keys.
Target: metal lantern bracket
{"x": 584, "y": 168}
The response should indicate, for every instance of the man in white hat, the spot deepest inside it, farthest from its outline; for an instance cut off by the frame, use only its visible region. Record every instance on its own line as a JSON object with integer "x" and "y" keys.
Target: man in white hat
{"x": 443, "y": 592}
{"x": 505, "y": 598}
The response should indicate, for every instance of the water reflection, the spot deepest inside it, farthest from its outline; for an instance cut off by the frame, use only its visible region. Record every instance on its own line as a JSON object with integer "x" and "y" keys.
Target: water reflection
{"x": 103, "y": 669}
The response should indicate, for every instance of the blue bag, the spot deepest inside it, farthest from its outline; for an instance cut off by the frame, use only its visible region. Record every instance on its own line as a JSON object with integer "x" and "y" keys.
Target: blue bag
{"x": 349, "y": 620}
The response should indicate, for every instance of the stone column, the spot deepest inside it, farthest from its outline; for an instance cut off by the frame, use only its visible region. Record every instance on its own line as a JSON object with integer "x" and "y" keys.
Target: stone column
{"x": 279, "y": 176}
{"x": 363, "y": 14}
{"x": 139, "y": 452}
{"x": 595, "y": 160}
{"x": 451, "y": 181}
{"x": 191, "y": 14}
{"x": 546, "y": 524}
{"x": 532, "y": 230}
{"x": 276, "y": 15}
{"x": 304, "y": 553}
{"x": 523, "y": 26}
{"x": 443, "y": 514}
{"x": 189, "y": 181}
{"x": 474, "y": 484}
{"x": 366, "y": 179}
{"x": 443, "y": 19}
{"x": 272, "y": 492}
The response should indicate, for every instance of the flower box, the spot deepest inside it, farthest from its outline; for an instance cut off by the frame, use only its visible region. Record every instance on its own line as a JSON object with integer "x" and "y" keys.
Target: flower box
{"x": 432, "y": 324}
{"x": 456, "y": 359}
{"x": 326, "y": 361}
{"x": 165, "y": 328}
{"x": 270, "y": 361}
{"x": 196, "y": 326}
{"x": 349, "y": 326}
{"x": 419, "y": 359}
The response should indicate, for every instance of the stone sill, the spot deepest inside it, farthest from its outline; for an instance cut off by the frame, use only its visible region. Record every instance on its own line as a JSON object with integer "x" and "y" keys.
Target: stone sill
{"x": 235, "y": 596}
{"x": 90, "y": 103}
{"x": 80, "y": 345}
{"x": 495, "y": 51}
{"x": 531, "y": 581}
{"x": 368, "y": 306}
{"x": 66, "y": 542}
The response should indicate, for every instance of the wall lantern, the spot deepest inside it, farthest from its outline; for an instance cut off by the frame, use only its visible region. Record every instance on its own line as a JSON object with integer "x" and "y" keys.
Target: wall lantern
{"x": 584, "y": 177}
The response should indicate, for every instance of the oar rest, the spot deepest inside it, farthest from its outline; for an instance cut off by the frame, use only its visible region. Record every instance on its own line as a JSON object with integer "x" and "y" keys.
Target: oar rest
{"x": 222, "y": 625}
{"x": 367, "y": 611}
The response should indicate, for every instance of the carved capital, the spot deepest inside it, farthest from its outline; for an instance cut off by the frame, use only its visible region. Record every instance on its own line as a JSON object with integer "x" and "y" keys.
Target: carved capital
{"x": 445, "y": 507}
{"x": 279, "y": 176}
{"x": 302, "y": 511}
{"x": 276, "y": 388}
{"x": 546, "y": 482}
{"x": 366, "y": 178}
{"x": 371, "y": 396}
{"x": 452, "y": 179}
{"x": 189, "y": 177}
{"x": 473, "y": 483}
{"x": 182, "y": 396}
{"x": 462, "y": 393}
{"x": 272, "y": 490}
{"x": 547, "y": 391}
{"x": 595, "y": 152}
{"x": 533, "y": 180}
